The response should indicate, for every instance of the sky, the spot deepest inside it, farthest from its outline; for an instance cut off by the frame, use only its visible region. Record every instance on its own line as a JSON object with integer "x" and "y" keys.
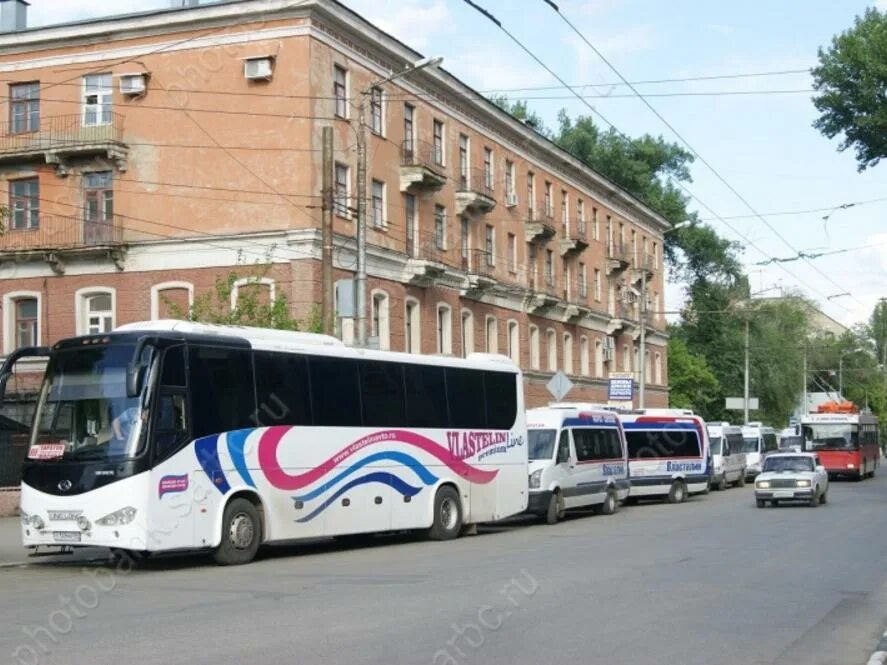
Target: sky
{"x": 762, "y": 144}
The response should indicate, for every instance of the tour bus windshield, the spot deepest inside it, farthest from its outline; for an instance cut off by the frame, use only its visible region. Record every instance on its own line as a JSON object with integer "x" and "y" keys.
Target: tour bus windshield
{"x": 83, "y": 412}
{"x": 541, "y": 443}
{"x": 750, "y": 444}
{"x": 715, "y": 444}
{"x": 777, "y": 464}
{"x": 831, "y": 436}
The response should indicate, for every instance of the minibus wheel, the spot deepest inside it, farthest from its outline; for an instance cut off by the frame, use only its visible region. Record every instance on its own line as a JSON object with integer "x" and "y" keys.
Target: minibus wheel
{"x": 611, "y": 503}
{"x": 741, "y": 481}
{"x": 241, "y": 534}
{"x": 447, "y": 514}
{"x": 555, "y": 511}
{"x": 678, "y": 492}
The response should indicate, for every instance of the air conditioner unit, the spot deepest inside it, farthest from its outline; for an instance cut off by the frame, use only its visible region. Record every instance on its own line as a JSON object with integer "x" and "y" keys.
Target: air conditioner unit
{"x": 133, "y": 85}
{"x": 511, "y": 199}
{"x": 257, "y": 69}
{"x": 607, "y": 353}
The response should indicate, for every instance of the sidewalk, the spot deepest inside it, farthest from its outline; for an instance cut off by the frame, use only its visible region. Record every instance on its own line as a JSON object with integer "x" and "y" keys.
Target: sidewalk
{"x": 12, "y": 552}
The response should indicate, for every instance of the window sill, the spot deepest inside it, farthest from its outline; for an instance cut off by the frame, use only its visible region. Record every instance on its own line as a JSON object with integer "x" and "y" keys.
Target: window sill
{"x": 342, "y": 215}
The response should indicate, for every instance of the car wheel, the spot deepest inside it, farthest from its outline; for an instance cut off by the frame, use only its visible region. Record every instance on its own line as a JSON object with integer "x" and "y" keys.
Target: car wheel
{"x": 761, "y": 503}
{"x": 824, "y": 497}
{"x": 241, "y": 534}
{"x": 774, "y": 502}
{"x": 678, "y": 492}
{"x": 447, "y": 515}
{"x": 555, "y": 511}
{"x": 611, "y": 503}
{"x": 741, "y": 481}
{"x": 722, "y": 483}
{"x": 814, "y": 499}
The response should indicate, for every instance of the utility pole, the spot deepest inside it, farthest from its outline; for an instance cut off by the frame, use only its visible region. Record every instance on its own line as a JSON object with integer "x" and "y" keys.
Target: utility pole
{"x": 804, "y": 403}
{"x": 327, "y": 316}
{"x": 642, "y": 383}
{"x": 746, "y": 381}
{"x": 360, "y": 283}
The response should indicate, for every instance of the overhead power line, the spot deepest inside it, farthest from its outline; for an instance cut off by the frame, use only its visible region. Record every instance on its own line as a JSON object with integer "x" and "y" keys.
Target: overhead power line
{"x": 693, "y": 150}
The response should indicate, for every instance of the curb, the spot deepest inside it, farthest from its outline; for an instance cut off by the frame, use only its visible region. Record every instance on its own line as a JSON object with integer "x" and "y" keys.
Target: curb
{"x": 879, "y": 657}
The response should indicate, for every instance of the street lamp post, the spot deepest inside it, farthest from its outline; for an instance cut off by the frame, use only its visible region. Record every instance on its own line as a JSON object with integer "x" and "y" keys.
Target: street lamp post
{"x": 360, "y": 283}
{"x": 642, "y": 355}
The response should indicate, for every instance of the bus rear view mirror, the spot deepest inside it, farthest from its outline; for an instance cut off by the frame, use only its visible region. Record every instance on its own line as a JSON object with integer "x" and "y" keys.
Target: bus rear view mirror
{"x": 135, "y": 375}
{"x": 13, "y": 358}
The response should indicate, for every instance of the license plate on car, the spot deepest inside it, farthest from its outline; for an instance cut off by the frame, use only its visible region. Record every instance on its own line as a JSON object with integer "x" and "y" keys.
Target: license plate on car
{"x": 66, "y": 536}
{"x": 784, "y": 494}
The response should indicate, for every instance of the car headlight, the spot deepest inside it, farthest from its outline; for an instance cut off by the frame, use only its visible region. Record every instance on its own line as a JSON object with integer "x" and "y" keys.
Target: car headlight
{"x": 535, "y": 479}
{"x": 851, "y": 466}
{"x": 764, "y": 484}
{"x": 802, "y": 483}
{"x": 118, "y": 517}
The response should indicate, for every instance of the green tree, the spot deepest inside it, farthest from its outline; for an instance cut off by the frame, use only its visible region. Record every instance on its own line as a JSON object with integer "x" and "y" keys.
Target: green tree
{"x": 693, "y": 384}
{"x": 851, "y": 88}
{"x": 877, "y": 329}
{"x": 520, "y": 111}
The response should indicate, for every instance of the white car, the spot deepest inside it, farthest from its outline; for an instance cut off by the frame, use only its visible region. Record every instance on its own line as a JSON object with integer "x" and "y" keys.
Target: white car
{"x": 728, "y": 460}
{"x": 791, "y": 477}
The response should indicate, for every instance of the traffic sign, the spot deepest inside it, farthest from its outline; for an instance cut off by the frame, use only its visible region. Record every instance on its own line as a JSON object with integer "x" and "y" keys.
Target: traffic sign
{"x": 559, "y": 386}
{"x": 621, "y": 387}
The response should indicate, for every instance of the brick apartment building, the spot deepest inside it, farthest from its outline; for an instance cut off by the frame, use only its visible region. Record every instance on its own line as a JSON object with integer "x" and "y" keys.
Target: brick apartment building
{"x": 145, "y": 154}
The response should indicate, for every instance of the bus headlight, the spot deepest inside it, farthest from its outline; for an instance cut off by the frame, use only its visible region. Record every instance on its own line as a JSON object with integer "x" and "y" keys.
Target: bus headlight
{"x": 802, "y": 483}
{"x": 118, "y": 517}
{"x": 83, "y": 523}
{"x": 535, "y": 479}
{"x": 764, "y": 484}
{"x": 37, "y": 522}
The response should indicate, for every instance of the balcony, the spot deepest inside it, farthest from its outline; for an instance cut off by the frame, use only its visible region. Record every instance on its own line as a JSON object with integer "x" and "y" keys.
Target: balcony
{"x": 543, "y": 293}
{"x": 623, "y": 317}
{"x": 537, "y": 228}
{"x": 59, "y": 139}
{"x": 479, "y": 267}
{"x": 426, "y": 258}
{"x": 56, "y": 237}
{"x": 474, "y": 192}
{"x": 421, "y": 167}
{"x": 573, "y": 242}
{"x": 618, "y": 257}
{"x": 646, "y": 264}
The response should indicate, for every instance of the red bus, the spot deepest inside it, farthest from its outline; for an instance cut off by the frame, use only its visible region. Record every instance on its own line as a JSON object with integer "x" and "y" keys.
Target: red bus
{"x": 845, "y": 440}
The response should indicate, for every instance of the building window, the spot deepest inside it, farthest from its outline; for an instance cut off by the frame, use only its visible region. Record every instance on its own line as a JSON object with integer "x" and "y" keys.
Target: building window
{"x": 595, "y": 230}
{"x": 409, "y": 127}
{"x": 568, "y": 353}
{"x": 512, "y": 253}
{"x": 26, "y": 324}
{"x": 492, "y": 335}
{"x": 583, "y": 281}
{"x": 565, "y": 271}
{"x": 584, "y": 364}
{"x": 552, "y": 351}
{"x": 488, "y": 169}
{"x": 467, "y": 333}
{"x": 531, "y": 265}
{"x": 510, "y": 194}
{"x": 531, "y": 194}
{"x": 376, "y": 117}
{"x": 463, "y": 162}
{"x": 440, "y": 227}
{"x": 171, "y": 300}
{"x": 438, "y": 133}
{"x": 490, "y": 245}
{"x": 514, "y": 342}
{"x": 580, "y": 217}
{"x": 380, "y": 326}
{"x": 565, "y": 211}
{"x": 378, "y": 204}
{"x": 549, "y": 268}
{"x": 24, "y": 107}
{"x": 24, "y": 203}
{"x": 634, "y": 247}
{"x": 409, "y": 220}
{"x": 648, "y": 366}
{"x": 534, "y": 347}
{"x": 549, "y": 204}
{"x": 597, "y": 284}
{"x": 340, "y": 90}
{"x": 98, "y": 93}
{"x": 444, "y": 330}
{"x": 626, "y": 358}
{"x": 343, "y": 187}
{"x": 598, "y": 359}
{"x": 95, "y": 312}
{"x": 412, "y": 320}
{"x": 261, "y": 289}
{"x": 464, "y": 242}
{"x": 658, "y": 369}
{"x": 99, "y": 199}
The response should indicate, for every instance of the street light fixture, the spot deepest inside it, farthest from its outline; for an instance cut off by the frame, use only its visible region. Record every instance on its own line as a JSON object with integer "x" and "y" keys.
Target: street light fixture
{"x": 360, "y": 283}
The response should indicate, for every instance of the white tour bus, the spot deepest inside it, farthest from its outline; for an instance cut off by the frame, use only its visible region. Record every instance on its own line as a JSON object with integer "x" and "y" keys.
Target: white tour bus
{"x": 728, "y": 460}
{"x": 759, "y": 441}
{"x": 668, "y": 454}
{"x": 169, "y": 435}
{"x": 577, "y": 459}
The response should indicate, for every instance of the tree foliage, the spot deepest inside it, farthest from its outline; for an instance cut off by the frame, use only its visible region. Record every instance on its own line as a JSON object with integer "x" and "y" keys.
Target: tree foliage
{"x": 851, "y": 87}
{"x": 693, "y": 384}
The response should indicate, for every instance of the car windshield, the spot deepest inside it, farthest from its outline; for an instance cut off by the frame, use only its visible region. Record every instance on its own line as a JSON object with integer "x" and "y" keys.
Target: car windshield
{"x": 715, "y": 445}
{"x": 83, "y": 411}
{"x": 541, "y": 443}
{"x": 750, "y": 444}
{"x": 835, "y": 436}
{"x": 789, "y": 442}
{"x": 780, "y": 464}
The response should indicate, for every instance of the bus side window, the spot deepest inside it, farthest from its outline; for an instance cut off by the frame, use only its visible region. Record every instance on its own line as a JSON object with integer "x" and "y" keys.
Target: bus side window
{"x": 223, "y": 397}
{"x": 563, "y": 448}
{"x": 171, "y": 422}
{"x": 725, "y": 447}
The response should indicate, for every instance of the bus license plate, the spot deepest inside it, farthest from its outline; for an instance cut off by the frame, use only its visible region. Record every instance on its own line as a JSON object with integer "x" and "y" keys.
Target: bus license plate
{"x": 66, "y": 536}
{"x": 784, "y": 494}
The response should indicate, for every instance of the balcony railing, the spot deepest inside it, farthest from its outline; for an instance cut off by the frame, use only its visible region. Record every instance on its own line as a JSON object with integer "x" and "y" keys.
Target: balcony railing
{"x": 414, "y": 152}
{"x": 478, "y": 262}
{"x": 475, "y": 180}
{"x": 55, "y": 232}
{"x": 59, "y": 133}
{"x": 619, "y": 252}
{"x": 426, "y": 247}
{"x": 648, "y": 262}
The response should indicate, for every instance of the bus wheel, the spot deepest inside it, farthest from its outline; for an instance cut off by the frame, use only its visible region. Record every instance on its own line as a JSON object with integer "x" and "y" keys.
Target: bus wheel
{"x": 241, "y": 534}
{"x": 447, "y": 515}
{"x": 678, "y": 492}
{"x": 556, "y": 509}
{"x": 741, "y": 481}
{"x": 722, "y": 483}
{"x": 611, "y": 503}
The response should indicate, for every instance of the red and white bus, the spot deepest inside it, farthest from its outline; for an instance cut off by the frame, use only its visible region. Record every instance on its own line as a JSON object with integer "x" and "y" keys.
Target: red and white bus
{"x": 845, "y": 440}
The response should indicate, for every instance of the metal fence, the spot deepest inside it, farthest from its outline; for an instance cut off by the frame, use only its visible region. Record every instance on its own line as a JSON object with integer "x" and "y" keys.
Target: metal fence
{"x": 60, "y": 231}
{"x": 62, "y": 131}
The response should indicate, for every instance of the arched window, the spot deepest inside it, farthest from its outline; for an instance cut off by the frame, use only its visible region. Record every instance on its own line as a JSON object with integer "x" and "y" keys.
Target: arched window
{"x": 648, "y": 367}
{"x": 552, "y": 350}
{"x": 413, "y": 326}
{"x": 598, "y": 358}
{"x": 467, "y": 333}
{"x": 444, "y": 329}
{"x": 659, "y": 368}
{"x": 514, "y": 342}
{"x": 568, "y": 353}
{"x": 584, "y": 360}
{"x": 492, "y": 335}
{"x": 94, "y": 310}
{"x": 626, "y": 358}
{"x": 171, "y": 300}
{"x": 534, "y": 347}
{"x": 380, "y": 326}
{"x": 23, "y": 320}
{"x": 262, "y": 287}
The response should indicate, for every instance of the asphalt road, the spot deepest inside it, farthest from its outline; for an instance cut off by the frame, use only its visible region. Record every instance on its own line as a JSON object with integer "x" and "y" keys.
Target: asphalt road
{"x": 712, "y": 581}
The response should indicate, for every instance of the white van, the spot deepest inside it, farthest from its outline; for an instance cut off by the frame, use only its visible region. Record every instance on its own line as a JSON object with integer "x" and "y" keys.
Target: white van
{"x": 577, "y": 459}
{"x": 668, "y": 454}
{"x": 758, "y": 442}
{"x": 727, "y": 459}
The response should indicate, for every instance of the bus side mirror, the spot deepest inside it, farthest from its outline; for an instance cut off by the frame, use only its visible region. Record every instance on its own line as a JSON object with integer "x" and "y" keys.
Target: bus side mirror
{"x": 3, "y": 380}
{"x": 135, "y": 375}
